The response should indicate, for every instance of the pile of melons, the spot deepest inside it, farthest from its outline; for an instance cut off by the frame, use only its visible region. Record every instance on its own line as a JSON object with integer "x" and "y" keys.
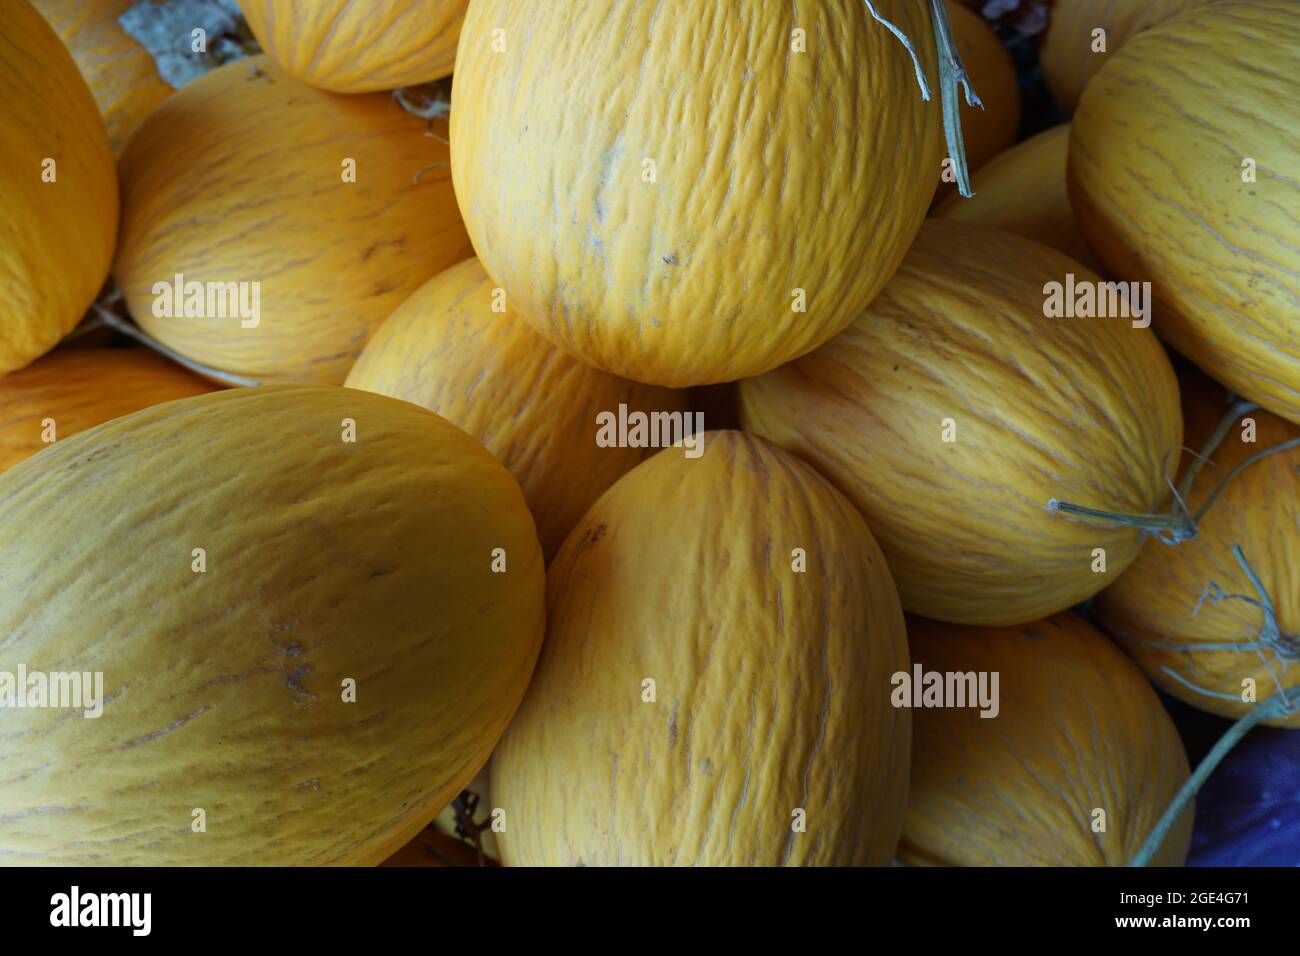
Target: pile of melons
{"x": 303, "y": 369}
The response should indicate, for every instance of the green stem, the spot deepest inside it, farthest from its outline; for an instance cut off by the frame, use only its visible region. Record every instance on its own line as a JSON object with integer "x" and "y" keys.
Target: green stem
{"x": 1279, "y": 705}
{"x": 952, "y": 77}
{"x": 1180, "y": 525}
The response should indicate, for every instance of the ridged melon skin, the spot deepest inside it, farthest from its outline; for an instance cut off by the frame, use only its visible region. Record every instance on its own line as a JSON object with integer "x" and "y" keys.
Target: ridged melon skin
{"x": 1078, "y": 729}
{"x": 80, "y": 389}
{"x": 326, "y": 561}
{"x": 771, "y": 685}
{"x": 119, "y": 71}
{"x": 1171, "y": 608}
{"x": 349, "y": 47}
{"x": 1022, "y": 190}
{"x": 774, "y": 171}
{"x": 239, "y": 177}
{"x": 57, "y": 240}
{"x": 1155, "y": 176}
{"x": 1066, "y": 53}
{"x": 533, "y": 406}
{"x": 1083, "y": 410}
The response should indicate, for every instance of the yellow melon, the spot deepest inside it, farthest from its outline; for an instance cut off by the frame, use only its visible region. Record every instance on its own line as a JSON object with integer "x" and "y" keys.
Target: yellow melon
{"x": 1184, "y": 172}
{"x": 1074, "y": 768}
{"x": 1023, "y": 191}
{"x": 714, "y": 687}
{"x": 953, "y": 412}
{"x": 120, "y": 72}
{"x": 1191, "y": 614}
{"x": 693, "y": 194}
{"x": 1073, "y": 51}
{"x": 335, "y": 206}
{"x": 58, "y": 190}
{"x": 352, "y": 47}
{"x": 314, "y": 641}
{"x": 67, "y": 392}
{"x": 534, "y": 407}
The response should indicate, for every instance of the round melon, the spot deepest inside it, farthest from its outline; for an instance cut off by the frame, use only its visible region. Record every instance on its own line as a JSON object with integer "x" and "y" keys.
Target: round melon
{"x": 534, "y": 407}
{"x": 315, "y": 641}
{"x": 1184, "y": 164}
{"x": 67, "y": 392}
{"x": 1190, "y": 614}
{"x": 58, "y": 190}
{"x": 1022, "y": 190}
{"x": 352, "y": 47}
{"x": 1075, "y": 766}
{"x": 1072, "y": 52}
{"x": 121, "y": 73}
{"x": 246, "y": 176}
{"x": 714, "y": 687}
{"x": 954, "y": 411}
{"x": 988, "y": 131}
{"x": 690, "y": 194}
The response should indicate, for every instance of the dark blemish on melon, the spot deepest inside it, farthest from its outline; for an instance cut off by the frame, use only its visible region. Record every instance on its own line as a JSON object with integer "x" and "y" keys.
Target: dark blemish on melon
{"x": 592, "y": 535}
{"x": 672, "y": 729}
{"x": 671, "y": 259}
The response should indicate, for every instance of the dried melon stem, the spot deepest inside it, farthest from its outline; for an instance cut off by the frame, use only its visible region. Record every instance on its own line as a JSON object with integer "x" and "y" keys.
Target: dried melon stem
{"x": 1180, "y": 524}
{"x": 105, "y": 318}
{"x": 952, "y": 77}
{"x": 1282, "y": 704}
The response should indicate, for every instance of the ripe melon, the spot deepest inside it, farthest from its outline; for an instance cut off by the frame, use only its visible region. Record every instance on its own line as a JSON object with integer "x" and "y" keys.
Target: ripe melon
{"x": 714, "y": 687}
{"x": 243, "y": 176}
{"x": 58, "y": 190}
{"x": 953, "y": 411}
{"x": 690, "y": 193}
{"x": 1073, "y": 52}
{"x": 1023, "y": 191}
{"x": 121, "y": 73}
{"x": 1185, "y": 172}
{"x": 534, "y": 407}
{"x": 349, "y": 47}
{"x": 1075, "y": 769}
{"x": 1190, "y": 614}
{"x": 329, "y": 567}
{"x": 67, "y": 392}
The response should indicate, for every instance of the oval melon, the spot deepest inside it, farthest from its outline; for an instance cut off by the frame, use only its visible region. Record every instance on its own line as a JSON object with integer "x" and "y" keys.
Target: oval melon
{"x": 329, "y": 568}
{"x": 82, "y": 388}
{"x": 700, "y": 700}
{"x": 653, "y": 191}
{"x": 1023, "y": 191}
{"x": 1071, "y": 52}
{"x": 242, "y": 176}
{"x": 954, "y": 410}
{"x": 1079, "y": 741}
{"x": 534, "y": 407}
{"x": 1184, "y": 172}
{"x": 1190, "y": 614}
{"x": 121, "y": 73}
{"x": 351, "y": 47}
{"x": 58, "y": 190}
